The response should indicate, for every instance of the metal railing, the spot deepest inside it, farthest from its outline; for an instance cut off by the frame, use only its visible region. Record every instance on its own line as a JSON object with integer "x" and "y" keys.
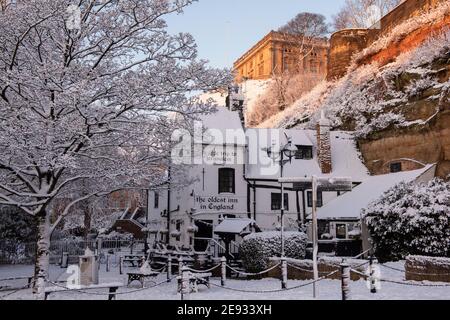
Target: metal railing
{"x": 24, "y": 253}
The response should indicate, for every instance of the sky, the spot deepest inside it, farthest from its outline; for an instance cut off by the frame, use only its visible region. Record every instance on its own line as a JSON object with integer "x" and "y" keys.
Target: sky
{"x": 225, "y": 29}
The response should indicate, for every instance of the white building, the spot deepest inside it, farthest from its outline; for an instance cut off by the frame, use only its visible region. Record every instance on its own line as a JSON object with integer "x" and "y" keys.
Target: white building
{"x": 234, "y": 178}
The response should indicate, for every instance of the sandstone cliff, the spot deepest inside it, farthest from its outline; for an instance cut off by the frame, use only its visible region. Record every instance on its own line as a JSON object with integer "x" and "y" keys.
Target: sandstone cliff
{"x": 395, "y": 97}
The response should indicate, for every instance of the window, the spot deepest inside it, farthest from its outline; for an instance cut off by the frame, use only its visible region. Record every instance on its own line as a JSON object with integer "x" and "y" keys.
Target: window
{"x": 156, "y": 200}
{"x": 226, "y": 180}
{"x": 261, "y": 70}
{"x": 396, "y": 167}
{"x": 276, "y": 201}
{"x": 341, "y": 231}
{"x": 319, "y": 199}
{"x": 304, "y": 152}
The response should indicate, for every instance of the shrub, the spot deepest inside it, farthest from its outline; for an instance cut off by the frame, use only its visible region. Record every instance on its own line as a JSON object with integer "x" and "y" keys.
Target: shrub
{"x": 411, "y": 219}
{"x": 257, "y": 248}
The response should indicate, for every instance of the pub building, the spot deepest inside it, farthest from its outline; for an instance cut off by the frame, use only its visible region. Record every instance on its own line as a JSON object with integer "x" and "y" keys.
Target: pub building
{"x": 236, "y": 190}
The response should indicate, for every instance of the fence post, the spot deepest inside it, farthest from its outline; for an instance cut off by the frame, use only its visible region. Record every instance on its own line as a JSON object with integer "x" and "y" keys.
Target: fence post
{"x": 169, "y": 268}
{"x": 107, "y": 262}
{"x": 223, "y": 278}
{"x": 120, "y": 265}
{"x": 180, "y": 265}
{"x": 185, "y": 279}
{"x": 345, "y": 279}
{"x": 283, "y": 273}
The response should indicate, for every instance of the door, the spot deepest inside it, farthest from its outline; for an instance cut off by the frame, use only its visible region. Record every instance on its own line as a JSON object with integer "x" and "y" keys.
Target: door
{"x": 203, "y": 234}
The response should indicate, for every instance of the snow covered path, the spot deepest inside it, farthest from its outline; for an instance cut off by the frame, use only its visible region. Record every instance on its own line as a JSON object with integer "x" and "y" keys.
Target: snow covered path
{"x": 327, "y": 289}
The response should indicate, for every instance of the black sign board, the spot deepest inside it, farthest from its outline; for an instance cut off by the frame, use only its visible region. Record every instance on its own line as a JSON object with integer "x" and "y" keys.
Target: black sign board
{"x": 325, "y": 185}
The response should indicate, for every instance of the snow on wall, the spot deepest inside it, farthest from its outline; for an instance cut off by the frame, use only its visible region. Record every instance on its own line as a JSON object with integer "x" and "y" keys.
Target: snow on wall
{"x": 253, "y": 90}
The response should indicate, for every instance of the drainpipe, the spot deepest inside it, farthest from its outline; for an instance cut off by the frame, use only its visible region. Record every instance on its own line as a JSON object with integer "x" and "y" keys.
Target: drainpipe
{"x": 168, "y": 206}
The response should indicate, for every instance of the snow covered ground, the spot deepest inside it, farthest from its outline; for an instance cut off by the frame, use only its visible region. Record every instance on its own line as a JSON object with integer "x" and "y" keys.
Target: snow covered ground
{"x": 327, "y": 289}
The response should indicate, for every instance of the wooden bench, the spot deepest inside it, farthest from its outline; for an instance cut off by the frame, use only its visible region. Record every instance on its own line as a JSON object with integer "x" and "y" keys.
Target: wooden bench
{"x": 28, "y": 278}
{"x": 112, "y": 289}
{"x": 140, "y": 276}
{"x": 133, "y": 259}
{"x": 195, "y": 279}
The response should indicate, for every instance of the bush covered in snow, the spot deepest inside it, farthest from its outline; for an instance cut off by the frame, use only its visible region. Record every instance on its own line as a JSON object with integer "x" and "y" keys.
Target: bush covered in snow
{"x": 257, "y": 248}
{"x": 411, "y": 219}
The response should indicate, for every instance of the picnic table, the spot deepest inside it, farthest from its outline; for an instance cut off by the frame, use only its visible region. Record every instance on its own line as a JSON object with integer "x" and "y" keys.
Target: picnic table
{"x": 140, "y": 276}
{"x": 195, "y": 279}
{"x": 112, "y": 289}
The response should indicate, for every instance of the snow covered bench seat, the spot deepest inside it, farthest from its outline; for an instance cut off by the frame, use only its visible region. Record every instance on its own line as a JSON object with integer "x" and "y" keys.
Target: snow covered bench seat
{"x": 141, "y": 276}
{"x": 112, "y": 289}
{"x": 195, "y": 279}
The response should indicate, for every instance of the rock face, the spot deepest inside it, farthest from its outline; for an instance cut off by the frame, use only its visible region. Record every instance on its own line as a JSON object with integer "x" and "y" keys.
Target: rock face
{"x": 430, "y": 144}
{"x": 427, "y": 142}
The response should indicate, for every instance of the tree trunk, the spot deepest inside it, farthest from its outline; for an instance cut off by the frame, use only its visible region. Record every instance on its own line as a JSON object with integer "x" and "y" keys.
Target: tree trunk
{"x": 42, "y": 254}
{"x": 87, "y": 220}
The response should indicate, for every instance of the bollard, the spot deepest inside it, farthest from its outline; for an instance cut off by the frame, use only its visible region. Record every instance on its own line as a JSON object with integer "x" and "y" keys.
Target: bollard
{"x": 372, "y": 274}
{"x": 120, "y": 265}
{"x": 169, "y": 268}
{"x": 345, "y": 279}
{"x": 180, "y": 265}
{"x": 223, "y": 278}
{"x": 185, "y": 278}
{"x": 283, "y": 273}
{"x": 107, "y": 262}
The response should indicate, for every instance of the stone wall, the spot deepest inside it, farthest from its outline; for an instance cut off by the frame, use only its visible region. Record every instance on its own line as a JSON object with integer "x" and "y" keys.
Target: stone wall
{"x": 303, "y": 269}
{"x": 343, "y": 45}
{"x": 420, "y": 268}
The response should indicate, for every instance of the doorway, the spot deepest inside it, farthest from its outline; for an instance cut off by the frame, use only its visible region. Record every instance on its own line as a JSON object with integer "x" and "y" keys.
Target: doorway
{"x": 203, "y": 234}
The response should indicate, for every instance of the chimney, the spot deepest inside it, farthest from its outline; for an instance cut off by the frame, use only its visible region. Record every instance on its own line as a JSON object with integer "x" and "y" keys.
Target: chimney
{"x": 324, "y": 144}
{"x": 235, "y": 101}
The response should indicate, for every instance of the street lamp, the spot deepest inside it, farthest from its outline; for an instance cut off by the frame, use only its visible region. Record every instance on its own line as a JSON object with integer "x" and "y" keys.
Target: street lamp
{"x": 287, "y": 151}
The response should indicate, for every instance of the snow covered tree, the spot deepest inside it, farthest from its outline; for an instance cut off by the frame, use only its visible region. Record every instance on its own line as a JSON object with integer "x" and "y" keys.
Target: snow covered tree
{"x": 362, "y": 13}
{"x": 87, "y": 93}
{"x": 411, "y": 219}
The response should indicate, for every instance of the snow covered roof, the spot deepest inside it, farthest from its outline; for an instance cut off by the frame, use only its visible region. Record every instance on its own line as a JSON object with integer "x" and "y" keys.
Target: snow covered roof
{"x": 233, "y": 226}
{"x": 223, "y": 126}
{"x": 350, "y": 204}
{"x": 344, "y": 155}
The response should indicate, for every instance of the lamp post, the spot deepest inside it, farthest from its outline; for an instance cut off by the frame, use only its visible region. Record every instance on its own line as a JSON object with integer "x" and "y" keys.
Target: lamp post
{"x": 287, "y": 151}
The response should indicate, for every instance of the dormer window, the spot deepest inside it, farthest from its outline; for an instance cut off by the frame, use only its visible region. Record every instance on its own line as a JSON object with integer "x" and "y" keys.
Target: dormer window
{"x": 304, "y": 152}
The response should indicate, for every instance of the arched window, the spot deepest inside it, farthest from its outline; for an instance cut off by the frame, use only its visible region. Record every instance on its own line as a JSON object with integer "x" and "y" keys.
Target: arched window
{"x": 226, "y": 180}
